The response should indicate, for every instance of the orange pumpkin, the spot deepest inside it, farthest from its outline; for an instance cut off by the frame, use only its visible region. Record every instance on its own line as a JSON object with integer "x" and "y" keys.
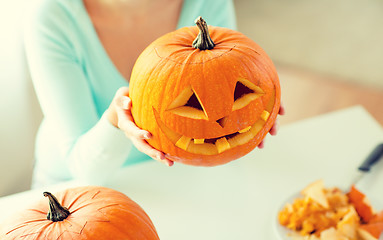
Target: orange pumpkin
{"x": 207, "y": 95}
{"x": 90, "y": 213}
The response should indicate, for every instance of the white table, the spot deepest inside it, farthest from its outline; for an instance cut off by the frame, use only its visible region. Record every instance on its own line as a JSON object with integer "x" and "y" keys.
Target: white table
{"x": 240, "y": 200}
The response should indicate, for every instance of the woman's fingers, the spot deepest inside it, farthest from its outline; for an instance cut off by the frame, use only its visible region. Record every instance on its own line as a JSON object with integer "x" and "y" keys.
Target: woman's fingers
{"x": 282, "y": 109}
{"x": 122, "y": 91}
{"x": 144, "y": 147}
{"x": 130, "y": 128}
{"x": 137, "y": 135}
{"x": 262, "y": 144}
{"x": 124, "y": 102}
{"x": 120, "y": 100}
{"x": 172, "y": 158}
{"x": 274, "y": 128}
{"x": 125, "y": 120}
{"x": 122, "y": 106}
{"x": 168, "y": 162}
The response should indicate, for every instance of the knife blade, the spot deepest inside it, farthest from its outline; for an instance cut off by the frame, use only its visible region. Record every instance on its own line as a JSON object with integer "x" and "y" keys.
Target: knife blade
{"x": 375, "y": 155}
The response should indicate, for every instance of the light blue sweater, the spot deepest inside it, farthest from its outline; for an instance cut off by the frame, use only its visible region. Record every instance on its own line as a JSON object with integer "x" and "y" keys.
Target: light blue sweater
{"x": 75, "y": 81}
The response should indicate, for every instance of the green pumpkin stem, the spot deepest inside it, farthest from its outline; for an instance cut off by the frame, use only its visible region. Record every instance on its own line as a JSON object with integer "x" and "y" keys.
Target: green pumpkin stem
{"x": 203, "y": 40}
{"x": 56, "y": 211}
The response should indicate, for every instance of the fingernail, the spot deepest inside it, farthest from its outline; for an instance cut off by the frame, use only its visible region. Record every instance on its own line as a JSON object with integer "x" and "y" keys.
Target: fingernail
{"x": 147, "y": 135}
{"x": 125, "y": 102}
{"x": 282, "y": 109}
{"x": 160, "y": 157}
{"x": 274, "y": 129}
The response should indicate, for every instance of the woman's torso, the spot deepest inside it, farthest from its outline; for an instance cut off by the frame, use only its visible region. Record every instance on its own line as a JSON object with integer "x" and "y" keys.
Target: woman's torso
{"x": 125, "y": 28}
{"x": 100, "y": 51}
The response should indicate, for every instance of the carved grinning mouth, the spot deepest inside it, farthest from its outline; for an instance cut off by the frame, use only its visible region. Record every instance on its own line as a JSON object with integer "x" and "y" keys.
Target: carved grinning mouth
{"x": 212, "y": 146}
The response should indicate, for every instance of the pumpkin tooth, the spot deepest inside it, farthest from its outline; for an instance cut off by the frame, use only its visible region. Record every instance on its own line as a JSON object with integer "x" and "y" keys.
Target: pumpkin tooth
{"x": 222, "y": 144}
{"x": 245, "y": 129}
{"x": 199, "y": 140}
{"x": 265, "y": 115}
{"x": 183, "y": 142}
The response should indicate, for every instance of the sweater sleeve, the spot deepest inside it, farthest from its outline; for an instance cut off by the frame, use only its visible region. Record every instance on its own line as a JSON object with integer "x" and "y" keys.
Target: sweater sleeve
{"x": 91, "y": 147}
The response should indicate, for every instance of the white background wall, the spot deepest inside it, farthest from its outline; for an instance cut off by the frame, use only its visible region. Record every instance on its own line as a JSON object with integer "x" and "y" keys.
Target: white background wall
{"x": 20, "y": 113}
{"x": 342, "y": 38}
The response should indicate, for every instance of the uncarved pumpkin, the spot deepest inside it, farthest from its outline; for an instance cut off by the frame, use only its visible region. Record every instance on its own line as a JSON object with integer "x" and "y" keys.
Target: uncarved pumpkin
{"x": 207, "y": 95}
{"x": 81, "y": 213}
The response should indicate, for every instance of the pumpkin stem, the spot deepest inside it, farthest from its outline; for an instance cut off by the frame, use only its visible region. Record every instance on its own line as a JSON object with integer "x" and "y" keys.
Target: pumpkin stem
{"x": 56, "y": 211}
{"x": 203, "y": 40}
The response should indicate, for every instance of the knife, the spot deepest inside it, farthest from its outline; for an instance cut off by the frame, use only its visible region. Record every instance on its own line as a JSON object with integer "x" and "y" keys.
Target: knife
{"x": 371, "y": 160}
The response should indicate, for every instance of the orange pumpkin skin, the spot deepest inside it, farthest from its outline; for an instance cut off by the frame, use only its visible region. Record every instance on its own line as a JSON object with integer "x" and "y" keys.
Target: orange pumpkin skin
{"x": 170, "y": 65}
{"x": 95, "y": 213}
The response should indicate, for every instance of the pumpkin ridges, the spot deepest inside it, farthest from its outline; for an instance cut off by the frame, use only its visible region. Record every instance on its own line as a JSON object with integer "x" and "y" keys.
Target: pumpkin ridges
{"x": 13, "y": 226}
{"x": 44, "y": 228}
{"x": 74, "y": 226}
{"x": 174, "y": 84}
{"x": 164, "y": 49}
{"x": 138, "y": 110}
{"x": 257, "y": 60}
{"x": 57, "y": 231}
{"x": 222, "y": 35}
{"x": 84, "y": 219}
{"x": 136, "y": 219}
{"x": 133, "y": 85}
{"x": 169, "y": 85}
{"x": 74, "y": 201}
{"x": 67, "y": 231}
{"x": 216, "y": 85}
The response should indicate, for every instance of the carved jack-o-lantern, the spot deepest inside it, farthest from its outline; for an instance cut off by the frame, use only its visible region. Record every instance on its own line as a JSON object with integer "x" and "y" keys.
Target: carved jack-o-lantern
{"x": 207, "y": 101}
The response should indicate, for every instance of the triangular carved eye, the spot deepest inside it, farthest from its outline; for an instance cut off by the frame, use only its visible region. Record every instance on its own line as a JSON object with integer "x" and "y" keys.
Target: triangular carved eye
{"x": 194, "y": 102}
{"x": 240, "y": 90}
{"x": 187, "y": 104}
{"x": 244, "y": 93}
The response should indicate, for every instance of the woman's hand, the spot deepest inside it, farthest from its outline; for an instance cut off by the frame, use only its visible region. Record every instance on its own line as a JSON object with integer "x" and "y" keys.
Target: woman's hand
{"x": 274, "y": 129}
{"x": 119, "y": 114}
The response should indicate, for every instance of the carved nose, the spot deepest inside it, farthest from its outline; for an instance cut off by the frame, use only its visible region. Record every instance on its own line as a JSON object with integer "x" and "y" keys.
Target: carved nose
{"x": 222, "y": 121}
